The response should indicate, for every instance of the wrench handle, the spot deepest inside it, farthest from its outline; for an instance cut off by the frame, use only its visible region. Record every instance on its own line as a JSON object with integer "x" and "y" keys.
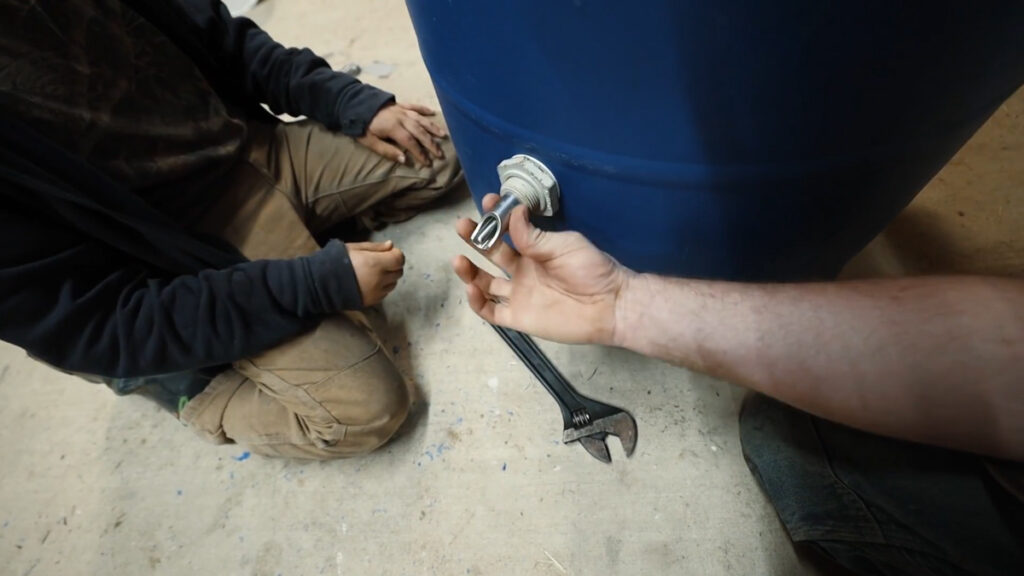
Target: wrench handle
{"x": 553, "y": 381}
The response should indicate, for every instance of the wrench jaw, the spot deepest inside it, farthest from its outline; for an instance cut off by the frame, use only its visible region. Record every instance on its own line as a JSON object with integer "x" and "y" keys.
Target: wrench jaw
{"x": 597, "y": 448}
{"x": 592, "y": 436}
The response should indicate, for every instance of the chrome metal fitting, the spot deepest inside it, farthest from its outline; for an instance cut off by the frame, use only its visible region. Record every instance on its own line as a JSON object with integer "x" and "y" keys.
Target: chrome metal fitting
{"x": 524, "y": 180}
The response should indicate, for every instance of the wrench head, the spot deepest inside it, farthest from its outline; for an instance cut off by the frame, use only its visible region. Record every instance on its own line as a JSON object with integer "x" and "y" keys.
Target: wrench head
{"x": 620, "y": 424}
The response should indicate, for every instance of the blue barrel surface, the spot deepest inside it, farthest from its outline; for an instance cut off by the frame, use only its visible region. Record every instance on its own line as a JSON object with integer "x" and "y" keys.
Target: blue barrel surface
{"x": 741, "y": 140}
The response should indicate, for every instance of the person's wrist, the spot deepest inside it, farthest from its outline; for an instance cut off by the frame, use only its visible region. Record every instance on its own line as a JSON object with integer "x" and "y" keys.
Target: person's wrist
{"x": 629, "y": 308}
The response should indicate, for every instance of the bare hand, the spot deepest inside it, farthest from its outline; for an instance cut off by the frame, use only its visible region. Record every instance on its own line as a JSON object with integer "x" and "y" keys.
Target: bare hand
{"x": 378, "y": 266}
{"x": 561, "y": 288}
{"x": 399, "y": 127}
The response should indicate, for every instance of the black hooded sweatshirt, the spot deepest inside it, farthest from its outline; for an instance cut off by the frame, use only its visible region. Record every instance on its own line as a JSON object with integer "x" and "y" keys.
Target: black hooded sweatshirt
{"x": 96, "y": 280}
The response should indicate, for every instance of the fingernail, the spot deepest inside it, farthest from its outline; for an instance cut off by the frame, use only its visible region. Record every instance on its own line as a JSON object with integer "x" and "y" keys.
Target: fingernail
{"x": 401, "y": 158}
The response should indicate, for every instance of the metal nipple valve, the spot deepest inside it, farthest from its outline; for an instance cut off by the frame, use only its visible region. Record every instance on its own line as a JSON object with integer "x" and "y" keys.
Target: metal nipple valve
{"x": 524, "y": 180}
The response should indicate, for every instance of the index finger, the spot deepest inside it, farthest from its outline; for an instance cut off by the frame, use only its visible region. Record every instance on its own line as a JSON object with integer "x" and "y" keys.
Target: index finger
{"x": 490, "y": 201}
{"x": 420, "y": 108}
{"x": 416, "y": 129}
{"x": 434, "y": 128}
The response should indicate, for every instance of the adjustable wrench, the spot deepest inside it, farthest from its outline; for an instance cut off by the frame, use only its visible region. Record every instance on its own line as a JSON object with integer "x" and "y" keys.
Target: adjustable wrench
{"x": 585, "y": 419}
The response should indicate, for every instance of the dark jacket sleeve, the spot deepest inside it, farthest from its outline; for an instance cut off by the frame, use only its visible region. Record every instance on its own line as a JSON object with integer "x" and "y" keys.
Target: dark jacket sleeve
{"x": 290, "y": 80}
{"x": 84, "y": 307}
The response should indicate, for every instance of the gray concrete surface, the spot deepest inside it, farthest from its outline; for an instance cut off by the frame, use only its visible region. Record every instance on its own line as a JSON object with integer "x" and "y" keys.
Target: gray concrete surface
{"x": 478, "y": 482}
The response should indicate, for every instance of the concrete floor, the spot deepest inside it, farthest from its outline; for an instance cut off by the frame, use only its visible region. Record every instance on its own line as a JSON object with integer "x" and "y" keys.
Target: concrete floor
{"x": 479, "y": 482}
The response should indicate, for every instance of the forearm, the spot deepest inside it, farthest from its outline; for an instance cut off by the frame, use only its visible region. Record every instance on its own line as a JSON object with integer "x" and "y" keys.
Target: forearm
{"x": 123, "y": 324}
{"x": 289, "y": 80}
{"x": 298, "y": 82}
{"x": 934, "y": 360}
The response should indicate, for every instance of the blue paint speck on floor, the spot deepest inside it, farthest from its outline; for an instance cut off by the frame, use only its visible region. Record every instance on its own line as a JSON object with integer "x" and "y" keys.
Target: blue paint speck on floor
{"x": 179, "y": 492}
{"x": 243, "y": 456}
{"x": 504, "y": 465}
{"x": 6, "y": 522}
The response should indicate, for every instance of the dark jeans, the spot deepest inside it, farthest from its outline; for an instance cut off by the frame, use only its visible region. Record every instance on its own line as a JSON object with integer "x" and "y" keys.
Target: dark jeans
{"x": 878, "y": 505}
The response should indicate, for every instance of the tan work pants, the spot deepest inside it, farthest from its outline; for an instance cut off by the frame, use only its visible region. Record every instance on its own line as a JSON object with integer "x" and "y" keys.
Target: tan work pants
{"x": 333, "y": 392}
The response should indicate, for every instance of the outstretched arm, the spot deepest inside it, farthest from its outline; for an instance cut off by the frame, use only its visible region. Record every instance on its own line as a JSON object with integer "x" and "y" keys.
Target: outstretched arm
{"x": 298, "y": 82}
{"x": 938, "y": 360}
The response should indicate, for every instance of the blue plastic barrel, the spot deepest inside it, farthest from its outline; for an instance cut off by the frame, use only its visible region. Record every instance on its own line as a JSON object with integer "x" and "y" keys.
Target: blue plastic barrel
{"x": 748, "y": 140}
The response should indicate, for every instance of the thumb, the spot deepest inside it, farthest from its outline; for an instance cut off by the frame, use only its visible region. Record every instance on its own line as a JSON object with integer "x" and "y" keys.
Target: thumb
{"x": 371, "y": 246}
{"x": 530, "y": 241}
{"x": 386, "y": 150}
